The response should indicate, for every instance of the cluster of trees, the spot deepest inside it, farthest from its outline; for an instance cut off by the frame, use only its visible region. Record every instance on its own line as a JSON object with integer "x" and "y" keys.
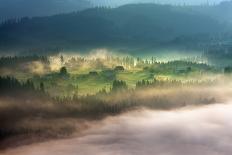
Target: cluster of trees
{"x": 12, "y": 86}
{"x": 121, "y": 63}
{"x": 180, "y": 66}
{"x": 155, "y": 83}
{"x": 119, "y": 85}
{"x": 141, "y": 62}
{"x": 84, "y": 107}
{"x": 16, "y": 60}
{"x": 170, "y": 83}
{"x": 103, "y": 103}
{"x": 130, "y": 62}
{"x": 228, "y": 69}
{"x": 63, "y": 71}
{"x": 100, "y": 63}
{"x": 152, "y": 62}
{"x": 92, "y": 105}
{"x": 143, "y": 83}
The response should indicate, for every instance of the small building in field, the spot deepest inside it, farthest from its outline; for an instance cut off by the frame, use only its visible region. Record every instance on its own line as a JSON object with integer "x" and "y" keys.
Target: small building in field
{"x": 119, "y": 68}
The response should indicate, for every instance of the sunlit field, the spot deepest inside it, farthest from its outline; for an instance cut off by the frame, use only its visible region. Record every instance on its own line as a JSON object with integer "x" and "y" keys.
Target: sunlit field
{"x": 62, "y": 96}
{"x": 141, "y": 77}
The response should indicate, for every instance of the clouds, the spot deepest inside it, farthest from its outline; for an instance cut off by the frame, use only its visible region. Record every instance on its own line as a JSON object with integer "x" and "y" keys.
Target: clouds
{"x": 203, "y": 131}
{"x": 196, "y": 131}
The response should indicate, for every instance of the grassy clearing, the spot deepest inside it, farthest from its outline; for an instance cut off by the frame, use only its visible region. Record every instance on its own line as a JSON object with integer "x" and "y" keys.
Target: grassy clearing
{"x": 83, "y": 84}
{"x": 131, "y": 77}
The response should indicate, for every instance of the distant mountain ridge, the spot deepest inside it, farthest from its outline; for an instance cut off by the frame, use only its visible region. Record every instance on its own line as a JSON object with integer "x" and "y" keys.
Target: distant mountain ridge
{"x": 128, "y": 25}
{"x": 221, "y": 12}
{"x": 21, "y": 8}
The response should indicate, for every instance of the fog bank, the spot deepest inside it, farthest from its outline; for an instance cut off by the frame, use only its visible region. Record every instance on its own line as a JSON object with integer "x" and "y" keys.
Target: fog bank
{"x": 192, "y": 131}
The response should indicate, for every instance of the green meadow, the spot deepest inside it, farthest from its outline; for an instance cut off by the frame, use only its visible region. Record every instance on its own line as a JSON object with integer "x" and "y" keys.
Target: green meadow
{"x": 91, "y": 79}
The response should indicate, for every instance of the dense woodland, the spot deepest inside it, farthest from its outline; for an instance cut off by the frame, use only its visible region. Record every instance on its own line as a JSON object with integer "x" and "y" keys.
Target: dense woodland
{"x": 152, "y": 26}
{"x": 60, "y": 74}
{"x": 38, "y": 105}
{"x": 17, "y": 60}
{"x": 121, "y": 83}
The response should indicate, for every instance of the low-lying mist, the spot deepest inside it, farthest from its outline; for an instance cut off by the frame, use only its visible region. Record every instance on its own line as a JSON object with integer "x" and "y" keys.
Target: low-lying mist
{"x": 33, "y": 115}
{"x": 187, "y": 131}
{"x": 193, "y": 131}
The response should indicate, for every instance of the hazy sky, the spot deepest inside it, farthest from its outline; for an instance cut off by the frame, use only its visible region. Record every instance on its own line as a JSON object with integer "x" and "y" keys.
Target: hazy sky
{"x": 119, "y": 2}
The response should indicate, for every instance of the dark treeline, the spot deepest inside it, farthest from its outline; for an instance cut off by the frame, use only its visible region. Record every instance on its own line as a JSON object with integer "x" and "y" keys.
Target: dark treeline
{"x": 118, "y": 63}
{"x": 76, "y": 62}
{"x": 12, "y": 61}
{"x": 170, "y": 83}
{"x": 175, "y": 67}
{"x": 119, "y": 85}
{"x": 175, "y": 63}
{"x": 228, "y": 70}
{"x": 11, "y": 86}
{"x": 92, "y": 105}
{"x": 25, "y": 101}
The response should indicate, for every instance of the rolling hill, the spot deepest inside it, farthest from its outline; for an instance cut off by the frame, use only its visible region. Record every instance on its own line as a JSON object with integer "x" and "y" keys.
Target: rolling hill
{"x": 129, "y": 25}
{"x": 21, "y": 8}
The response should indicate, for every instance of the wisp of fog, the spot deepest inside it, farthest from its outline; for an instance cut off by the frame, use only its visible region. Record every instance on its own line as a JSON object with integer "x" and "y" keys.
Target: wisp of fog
{"x": 192, "y": 131}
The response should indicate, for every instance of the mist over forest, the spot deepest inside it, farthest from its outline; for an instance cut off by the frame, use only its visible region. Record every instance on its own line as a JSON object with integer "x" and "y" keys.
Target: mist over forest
{"x": 111, "y": 77}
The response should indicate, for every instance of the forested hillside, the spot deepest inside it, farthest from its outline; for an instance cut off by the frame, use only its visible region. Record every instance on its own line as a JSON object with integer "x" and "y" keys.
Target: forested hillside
{"x": 21, "y": 8}
{"x": 129, "y": 25}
